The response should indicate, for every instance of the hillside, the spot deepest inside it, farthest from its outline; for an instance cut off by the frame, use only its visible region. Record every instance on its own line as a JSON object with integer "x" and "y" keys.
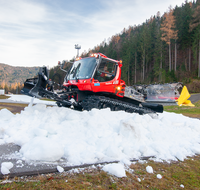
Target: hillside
{"x": 10, "y": 74}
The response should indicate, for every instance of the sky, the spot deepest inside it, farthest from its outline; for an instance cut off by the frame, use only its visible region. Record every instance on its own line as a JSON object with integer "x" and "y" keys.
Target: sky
{"x": 69, "y": 137}
{"x": 43, "y": 32}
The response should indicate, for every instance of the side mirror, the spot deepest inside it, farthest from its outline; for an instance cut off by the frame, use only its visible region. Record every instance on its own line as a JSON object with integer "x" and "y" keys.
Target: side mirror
{"x": 62, "y": 65}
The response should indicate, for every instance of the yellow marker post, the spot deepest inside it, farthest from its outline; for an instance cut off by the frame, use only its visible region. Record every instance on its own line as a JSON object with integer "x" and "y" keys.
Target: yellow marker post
{"x": 183, "y": 99}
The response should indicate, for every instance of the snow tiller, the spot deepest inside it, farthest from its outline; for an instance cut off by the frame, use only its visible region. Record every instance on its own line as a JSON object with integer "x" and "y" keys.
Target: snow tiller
{"x": 92, "y": 82}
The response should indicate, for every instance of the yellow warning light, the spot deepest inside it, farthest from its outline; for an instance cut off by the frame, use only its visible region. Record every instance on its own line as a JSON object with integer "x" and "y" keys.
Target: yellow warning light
{"x": 94, "y": 55}
{"x": 119, "y": 88}
{"x": 78, "y": 58}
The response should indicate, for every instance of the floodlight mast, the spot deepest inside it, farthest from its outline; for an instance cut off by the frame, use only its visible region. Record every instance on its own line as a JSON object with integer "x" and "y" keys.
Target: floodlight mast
{"x": 77, "y": 47}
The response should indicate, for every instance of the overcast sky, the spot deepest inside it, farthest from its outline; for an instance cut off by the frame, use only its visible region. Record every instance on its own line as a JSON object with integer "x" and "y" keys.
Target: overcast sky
{"x": 42, "y": 32}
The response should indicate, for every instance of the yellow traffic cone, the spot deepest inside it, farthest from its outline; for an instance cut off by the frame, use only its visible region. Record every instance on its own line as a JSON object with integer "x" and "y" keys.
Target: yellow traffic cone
{"x": 183, "y": 98}
{"x": 188, "y": 103}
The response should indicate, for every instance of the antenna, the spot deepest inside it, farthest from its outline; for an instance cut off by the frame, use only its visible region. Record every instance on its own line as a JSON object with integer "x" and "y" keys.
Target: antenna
{"x": 77, "y": 47}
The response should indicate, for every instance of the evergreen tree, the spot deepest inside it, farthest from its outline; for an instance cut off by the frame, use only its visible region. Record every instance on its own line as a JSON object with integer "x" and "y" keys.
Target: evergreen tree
{"x": 169, "y": 32}
{"x": 195, "y": 26}
{"x": 183, "y": 18}
{"x": 143, "y": 47}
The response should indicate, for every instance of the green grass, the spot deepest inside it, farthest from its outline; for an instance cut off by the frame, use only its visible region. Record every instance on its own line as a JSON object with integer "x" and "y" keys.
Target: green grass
{"x": 185, "y": 110}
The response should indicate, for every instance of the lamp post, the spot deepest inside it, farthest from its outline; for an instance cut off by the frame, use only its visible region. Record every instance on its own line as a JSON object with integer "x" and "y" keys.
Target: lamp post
{"x": 77, "y": 47}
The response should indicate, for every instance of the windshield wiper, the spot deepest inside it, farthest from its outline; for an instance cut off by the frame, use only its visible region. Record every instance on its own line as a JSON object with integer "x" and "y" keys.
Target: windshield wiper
{"x": 75, "y": 72}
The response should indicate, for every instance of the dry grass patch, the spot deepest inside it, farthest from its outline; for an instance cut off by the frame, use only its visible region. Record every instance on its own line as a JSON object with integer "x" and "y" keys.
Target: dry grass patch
{"x": 13, "y": 107}
{"x": 4, "y": 97}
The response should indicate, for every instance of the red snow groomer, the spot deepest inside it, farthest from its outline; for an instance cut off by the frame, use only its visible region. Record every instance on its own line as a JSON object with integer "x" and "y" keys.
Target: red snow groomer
{"x": 92, "y": 82}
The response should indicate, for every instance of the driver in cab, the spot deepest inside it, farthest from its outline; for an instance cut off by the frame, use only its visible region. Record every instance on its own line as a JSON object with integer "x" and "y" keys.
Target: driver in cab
{"x": 105, "y": 71}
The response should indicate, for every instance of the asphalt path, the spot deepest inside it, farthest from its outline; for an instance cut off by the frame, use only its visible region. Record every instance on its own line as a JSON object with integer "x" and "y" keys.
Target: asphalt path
{"x": 10, "y": 153}
{"x": 31, "y": 168}
{"x": 194, "y": 98}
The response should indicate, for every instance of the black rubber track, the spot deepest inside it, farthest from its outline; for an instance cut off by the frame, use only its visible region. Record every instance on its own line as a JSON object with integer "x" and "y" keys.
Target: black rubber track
{"x": 100, "y": 102}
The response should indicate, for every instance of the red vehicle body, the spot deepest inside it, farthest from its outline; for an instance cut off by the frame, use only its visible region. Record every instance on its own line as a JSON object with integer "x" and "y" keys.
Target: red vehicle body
{"x": 106, "y": 82}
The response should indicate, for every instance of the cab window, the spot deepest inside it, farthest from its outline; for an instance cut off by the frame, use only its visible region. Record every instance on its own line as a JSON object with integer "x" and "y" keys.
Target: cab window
{"x": 106, "y": 71}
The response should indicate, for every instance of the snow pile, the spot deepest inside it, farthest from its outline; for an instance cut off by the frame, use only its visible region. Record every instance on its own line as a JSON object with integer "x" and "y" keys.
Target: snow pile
{"x": 115, "y": 169}
{"x": 60, "y": 169}
{"x": 149, "y": 169}
{"x": 5, "y": 167}
{"x": 51, "y": 133}
{"x": 139, "y": 179}
{"x": 182, "y": 185}
{"x": 159, "y": 176}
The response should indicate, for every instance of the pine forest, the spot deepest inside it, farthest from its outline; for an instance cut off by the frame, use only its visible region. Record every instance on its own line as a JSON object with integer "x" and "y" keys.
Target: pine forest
{"x": 161, "y": 50}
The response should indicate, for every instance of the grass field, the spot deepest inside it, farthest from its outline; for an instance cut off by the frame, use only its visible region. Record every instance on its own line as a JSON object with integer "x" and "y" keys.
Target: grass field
{"x": 175, "y": 175}
{"x": 187, "y": 111}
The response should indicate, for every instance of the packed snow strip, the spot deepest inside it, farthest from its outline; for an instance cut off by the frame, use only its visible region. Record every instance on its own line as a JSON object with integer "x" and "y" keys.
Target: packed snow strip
{"x": 51, "y": 133}
{"x": 28, "y": 99}
{"x": 5, "y": 167}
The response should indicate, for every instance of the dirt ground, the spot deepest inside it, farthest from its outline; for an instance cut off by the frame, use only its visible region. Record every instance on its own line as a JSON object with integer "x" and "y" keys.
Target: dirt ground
{"x": 14, "y": 108}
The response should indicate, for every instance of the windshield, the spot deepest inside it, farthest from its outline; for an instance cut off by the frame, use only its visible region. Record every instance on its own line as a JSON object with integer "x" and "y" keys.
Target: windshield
{"x": 82, "y": 69}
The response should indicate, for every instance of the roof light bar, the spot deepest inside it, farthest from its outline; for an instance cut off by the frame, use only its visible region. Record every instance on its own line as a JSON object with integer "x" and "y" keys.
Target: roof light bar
{"x": 78, "y": 58}
{"x": 94, "y": 55}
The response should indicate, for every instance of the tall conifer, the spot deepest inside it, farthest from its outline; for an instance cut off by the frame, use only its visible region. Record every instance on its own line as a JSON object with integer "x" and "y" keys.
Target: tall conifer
{"x": 195, "y": 26}
{"x": 169, "y": 32}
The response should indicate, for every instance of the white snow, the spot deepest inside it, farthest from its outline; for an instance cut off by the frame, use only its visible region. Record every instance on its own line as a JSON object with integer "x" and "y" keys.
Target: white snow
{"x": 182, "y": 185}
{"x": 139, "y": 179}
{"x": 116, "y": 169}
{"x": 60, "y": 169}
{"x": 149, "y": 169}
{"x": 159, "y": 176}
{"x": 27, "y": 99}
{"x": 5, "y": 167}
{"x": 53, "y": 133}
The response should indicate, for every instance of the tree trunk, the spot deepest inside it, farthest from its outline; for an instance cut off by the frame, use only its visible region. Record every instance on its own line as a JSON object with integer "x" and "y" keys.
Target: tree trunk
{"x": 172, "y": 60}
{"x": 189, "y": 59}
{"x": 170, "y": 57}
{"x": 196, "y": 59}
{"x": 128, "y": 75}
{"x": 186, "y": 63}
{"x": 160, "y": 70}
{"x": 199, "y": 60}
{"x": 143, "y": 66}
{"x": 135, "y": 66}
{"x": 146, "y": 58}
{"x": 175, "y": 57}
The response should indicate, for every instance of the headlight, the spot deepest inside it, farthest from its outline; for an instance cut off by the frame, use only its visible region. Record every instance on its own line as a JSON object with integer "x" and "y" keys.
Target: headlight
{"x": 119, "y": 88}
